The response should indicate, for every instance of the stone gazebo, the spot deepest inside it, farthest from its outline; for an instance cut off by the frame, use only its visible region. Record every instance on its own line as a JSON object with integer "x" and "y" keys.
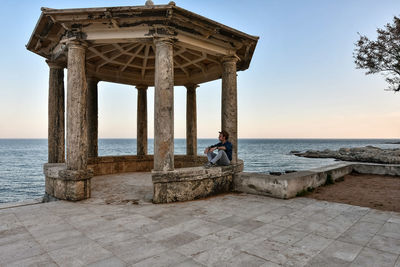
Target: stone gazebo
{"x": 142, "y": 46}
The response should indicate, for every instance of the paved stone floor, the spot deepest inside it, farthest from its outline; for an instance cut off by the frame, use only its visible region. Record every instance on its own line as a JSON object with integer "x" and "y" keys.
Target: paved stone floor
{"x": 228, "y": 230}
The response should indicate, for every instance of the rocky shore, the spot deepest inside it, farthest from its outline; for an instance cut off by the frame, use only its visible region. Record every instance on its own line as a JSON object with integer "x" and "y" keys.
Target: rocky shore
{"x": 358, "y": 154}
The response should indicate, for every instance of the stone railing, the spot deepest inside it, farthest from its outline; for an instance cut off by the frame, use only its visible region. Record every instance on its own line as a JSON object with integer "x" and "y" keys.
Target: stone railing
{"x": 120, "y": 164}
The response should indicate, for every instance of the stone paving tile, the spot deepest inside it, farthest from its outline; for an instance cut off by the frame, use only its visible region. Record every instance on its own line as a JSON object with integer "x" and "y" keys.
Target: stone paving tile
{"x": 288, "y": 236}
{"x": 134, "y": 252}
{"x": 216, "y": 255}
{"x": 268, "y": 230}
{"x": 397, "y": 262}
{"x": 200, "y": 245}
{"x": 237, "y": 229}
{"x": 395, "y": 218}
{"x": 390, "y": 229}
{"x": 231, "y": 221}
{"x": 269, "y": 250}
{"x": 268, "y": 217}
{"x": 322, "y": 261}
{"x": 313, "y": 243}
{"x": 61, "y": 239}
{"x": 190, "y": 263}
{"x": 384, "y": 243}
{"x": 360, "y": 233}
{"x": 248, "y": 225}
{"x": 370, "y": 257}
{"x": 270, "y": 264}
{"x": 286, "y": 221}
{"x": 167, "y": 232}
{"x": 334, "y": 228}
{"x": 113, "y": 261}
{"x": 20, "y": 249}
{"x": 79, "y": 254}
{"x": 206, "y": 228}
{"x": 376, "y": 216}
{"x": 297, "y": 256}
{"x": 14, "y": 235}
{"x": 40, "y": 260}
{"x": 243, "y": 259}
{"x": 49, "y": 228}
{"x": 342, "y": 251}
{"x": 242, "y": 242}
{"x": 114, "y": 237}
{"x": 169, "y": 258}
{"x": 9, "y": 222}
{"x": 306, "y": 226}
{"x": 179, "y": 240}
{"x": 283, "y": 210}
{"x": 120, "y": 246}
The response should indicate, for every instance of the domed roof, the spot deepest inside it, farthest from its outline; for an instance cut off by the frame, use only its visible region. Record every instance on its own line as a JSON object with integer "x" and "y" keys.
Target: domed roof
{"x": 120, "y": 42}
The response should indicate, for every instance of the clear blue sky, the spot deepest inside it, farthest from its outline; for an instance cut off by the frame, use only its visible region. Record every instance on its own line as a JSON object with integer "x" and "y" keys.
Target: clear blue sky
{"x": 302, "y": 82}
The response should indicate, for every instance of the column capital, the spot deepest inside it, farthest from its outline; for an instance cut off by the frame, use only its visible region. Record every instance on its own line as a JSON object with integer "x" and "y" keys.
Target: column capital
{"x": 141, "y": 87}
{"x": 230, "y": 59}
{"x": 163, "y": 40}
{"x": 76, "y": 43}
{"x": 56, "y": 64}
{"x": 191, "y": 86}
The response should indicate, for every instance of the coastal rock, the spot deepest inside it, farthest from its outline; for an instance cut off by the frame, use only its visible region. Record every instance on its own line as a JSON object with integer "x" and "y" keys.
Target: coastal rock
{"x": 358, "y": 154}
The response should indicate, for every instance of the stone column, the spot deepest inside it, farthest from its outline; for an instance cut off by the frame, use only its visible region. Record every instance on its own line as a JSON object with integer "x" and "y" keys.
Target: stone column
{"x": 164, "y": 105}
{"x": 141, "y": 138}
{"x": 77, "y": 127}
{"x": 191, "y": 120}
{"x": 92, "y": 116}
{"x": 56, "y": 128}
{"x": 229, "y": 102}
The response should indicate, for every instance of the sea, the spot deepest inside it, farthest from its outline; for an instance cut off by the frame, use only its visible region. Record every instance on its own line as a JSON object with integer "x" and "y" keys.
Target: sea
{"x": 21, "y": 160}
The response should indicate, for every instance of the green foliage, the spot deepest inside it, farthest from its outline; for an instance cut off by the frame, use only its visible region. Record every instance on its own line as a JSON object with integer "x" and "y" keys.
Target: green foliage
{"x": 382, "y": 55}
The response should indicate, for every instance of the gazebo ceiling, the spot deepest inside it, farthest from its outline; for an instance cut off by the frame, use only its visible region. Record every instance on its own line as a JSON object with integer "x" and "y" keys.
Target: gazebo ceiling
{"x": 121, "y": 46}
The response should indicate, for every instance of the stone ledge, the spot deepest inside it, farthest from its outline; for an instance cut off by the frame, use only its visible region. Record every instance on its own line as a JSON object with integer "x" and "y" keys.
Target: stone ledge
{"x": 289, "y": 185}
{"x": 59, "y": 171}
{"x": 132, "y": 163}
{"x": 193, "y": 183}
{"x": 195, "y": 173}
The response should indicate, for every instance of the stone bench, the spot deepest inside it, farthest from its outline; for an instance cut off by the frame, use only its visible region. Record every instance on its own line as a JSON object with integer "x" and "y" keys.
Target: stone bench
{"x": 289, "y": 185}
{"x": 193, "y": 183}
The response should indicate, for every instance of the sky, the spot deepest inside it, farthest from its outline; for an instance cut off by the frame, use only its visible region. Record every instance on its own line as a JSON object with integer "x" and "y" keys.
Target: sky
{"x": 301, "y": 83}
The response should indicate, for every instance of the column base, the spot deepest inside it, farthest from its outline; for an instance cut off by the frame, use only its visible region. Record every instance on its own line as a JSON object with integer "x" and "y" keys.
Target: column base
{"x": 193, "y": 183}
{"x": 67, "y": 184}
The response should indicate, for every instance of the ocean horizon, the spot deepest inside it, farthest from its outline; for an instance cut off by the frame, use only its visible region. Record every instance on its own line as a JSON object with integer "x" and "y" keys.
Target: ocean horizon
{"x": 22, "y": 159}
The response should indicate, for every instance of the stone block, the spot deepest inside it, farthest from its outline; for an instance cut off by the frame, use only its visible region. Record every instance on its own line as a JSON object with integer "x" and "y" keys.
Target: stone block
{"x": 193, "y": 183}
{"x": 67, "y": 184}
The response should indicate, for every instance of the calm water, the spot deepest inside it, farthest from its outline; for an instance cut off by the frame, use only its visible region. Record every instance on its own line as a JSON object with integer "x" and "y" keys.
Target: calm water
{"x": 21, "y": 160}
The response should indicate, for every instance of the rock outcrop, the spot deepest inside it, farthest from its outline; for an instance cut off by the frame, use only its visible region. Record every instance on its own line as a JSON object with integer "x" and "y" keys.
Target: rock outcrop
{"x": 358, "y": 154}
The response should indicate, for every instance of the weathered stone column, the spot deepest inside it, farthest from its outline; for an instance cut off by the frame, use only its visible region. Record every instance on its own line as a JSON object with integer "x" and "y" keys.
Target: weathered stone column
{"x": 56, "y": 113}
{"x": 141, "y": 138}
{"x": 191, "y": 120}
{"x": 92, "y": 116}
{"x": 71, "y": 181}
{"x": 229, "y": 102}
{"x": 77, "y": 127}
{"x": 164, "y": 105}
